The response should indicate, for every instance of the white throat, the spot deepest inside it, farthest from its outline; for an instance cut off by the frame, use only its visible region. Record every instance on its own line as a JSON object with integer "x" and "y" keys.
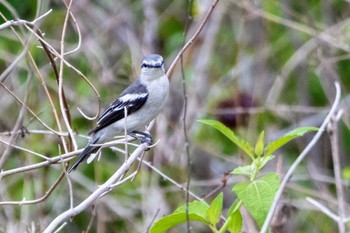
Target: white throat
{"x": 152, "y": 74}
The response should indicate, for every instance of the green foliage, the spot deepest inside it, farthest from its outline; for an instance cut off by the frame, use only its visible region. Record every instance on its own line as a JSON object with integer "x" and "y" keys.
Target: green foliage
{"x": 240, "y": 53}
{"x": 25, "y": 9}
{"x": 256, "y": 195}
{"x": 259, "y": 147}
{"x": 346, "y": 173}
{"x": 235, "y": 222}
{"x": 216, "y": 140}
{"x": 215, "y": 209}
{"x": 317, "y": 97}
{"x": 249, "y": 170}
{"x": 298, "y": 132}
{"x": 200, "y": 211}
{"x": 344, "y": 67}
{"x": 241, "y": 143}
{"x": 197, "y": 211}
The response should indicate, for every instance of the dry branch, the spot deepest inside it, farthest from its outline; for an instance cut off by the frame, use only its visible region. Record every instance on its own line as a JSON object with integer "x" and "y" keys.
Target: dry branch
{"x": 302, "y": 156}
{"x": 106, "y": 187}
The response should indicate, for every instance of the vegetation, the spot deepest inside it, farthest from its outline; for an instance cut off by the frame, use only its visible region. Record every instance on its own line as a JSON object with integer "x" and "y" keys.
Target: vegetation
{"x": 261, "y": 71}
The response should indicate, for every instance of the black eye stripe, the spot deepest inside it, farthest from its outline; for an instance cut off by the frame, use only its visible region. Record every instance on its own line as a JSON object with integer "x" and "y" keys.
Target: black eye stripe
{"x": 152, "y": 66}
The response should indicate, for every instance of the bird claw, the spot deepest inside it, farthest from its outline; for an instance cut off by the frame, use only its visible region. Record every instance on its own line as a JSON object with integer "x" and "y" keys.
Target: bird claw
{"x": 143, "y": 137}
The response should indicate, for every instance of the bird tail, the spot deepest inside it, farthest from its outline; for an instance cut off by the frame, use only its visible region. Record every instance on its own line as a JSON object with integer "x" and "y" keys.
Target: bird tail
{"x": 86, "y": 152}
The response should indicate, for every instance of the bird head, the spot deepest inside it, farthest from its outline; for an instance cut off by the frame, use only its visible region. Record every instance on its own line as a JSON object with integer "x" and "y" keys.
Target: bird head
{"x": 152, "y": 67}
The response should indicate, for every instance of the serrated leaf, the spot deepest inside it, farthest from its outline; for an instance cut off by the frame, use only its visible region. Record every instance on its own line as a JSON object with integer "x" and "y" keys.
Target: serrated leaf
{"x": 197, "y": 211}
{"x": 298, "y": 132}
{"x": 215, "y": 209}
{"x": 257, "y": 196}
{"x": 235, "y": 222}
{"x": 241, "y": 143}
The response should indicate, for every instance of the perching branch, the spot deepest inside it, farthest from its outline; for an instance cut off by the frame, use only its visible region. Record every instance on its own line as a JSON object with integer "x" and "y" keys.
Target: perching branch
{"x": 107, "y": 186}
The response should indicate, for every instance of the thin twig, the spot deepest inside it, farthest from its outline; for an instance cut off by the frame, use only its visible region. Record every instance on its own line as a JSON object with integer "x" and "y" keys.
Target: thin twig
{"x": 326, "y": 36}
{"x": 184, "y": 116}
{"x": 333, "y": 135}
{"x": 24, "y": 149}
{"x": 30, "y": 26}
{"x": 18, "y": 124}
{"x": 49, "y": 49}
{"x": 15, "y": 62}
{"x": 38, "y": 200}
{"x": 77, "y": 27}
{"x": 301, "y": 157}
{"x": 29, "y": 110}
{"x": 192, "y": 40}
{"x": 23, "y": 22}
{"x": 323, "y": 209}
{"x": 61, "y": 157}
{"x": 69, "y": 182}
{"x": 95, "y": 195}
{"x": 61, "y": 94}
{"x": 148, "y": 164}
{"x": 93, "y": 215}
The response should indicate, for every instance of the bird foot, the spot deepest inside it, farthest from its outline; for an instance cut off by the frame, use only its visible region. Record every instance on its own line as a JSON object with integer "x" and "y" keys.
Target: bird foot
{"x": 143, "y": 137}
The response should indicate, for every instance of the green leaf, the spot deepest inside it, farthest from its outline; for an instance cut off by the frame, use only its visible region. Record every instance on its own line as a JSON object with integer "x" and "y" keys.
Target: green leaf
{"x": 250, "y": 169}
{"x": 234, "y": 218}
{"x": 215, "y": 209}
{"x": 258, "y": 195}
{"x": 298, "y": 132}
{"x": 241, "y": 143}
{"x": 259, "y": 147}
{"x": 197, "y": 211}
{"x": 235, "y": 222}
{"x": 195, "y": 207}
{"x": 264, "y": 160}
{"x": 234, "y": 207}
{"x": 244, "y": 170}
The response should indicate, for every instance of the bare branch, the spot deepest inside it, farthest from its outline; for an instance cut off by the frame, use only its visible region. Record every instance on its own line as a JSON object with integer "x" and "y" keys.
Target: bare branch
{"x": 192, "y": 40}
{"x": 323, "y": 209}
{"x": 62, "y": 98}
{"x": 41, "y": 199}
{"x": 95, "y": 195}
{"x": 61, "y": 157}
{"x": 17, "y": 125}
{"x": 333, "y": 135}
{"x": 29, "y": 110}
{"x": 24, "y": 149}
{"x": 171, "y": 180}
{"x": 301, "y": 157}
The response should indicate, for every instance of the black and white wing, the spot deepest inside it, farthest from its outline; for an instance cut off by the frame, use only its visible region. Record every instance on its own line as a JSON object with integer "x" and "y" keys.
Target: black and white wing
{"x": 132, "y": 98}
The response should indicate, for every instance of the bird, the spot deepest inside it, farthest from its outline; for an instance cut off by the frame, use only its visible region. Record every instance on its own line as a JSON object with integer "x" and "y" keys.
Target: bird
{"x": 143, "y": 100}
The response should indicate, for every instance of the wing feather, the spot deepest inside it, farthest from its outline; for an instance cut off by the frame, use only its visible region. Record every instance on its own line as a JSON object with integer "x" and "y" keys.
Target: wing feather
{"x": 132, "y": 98}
